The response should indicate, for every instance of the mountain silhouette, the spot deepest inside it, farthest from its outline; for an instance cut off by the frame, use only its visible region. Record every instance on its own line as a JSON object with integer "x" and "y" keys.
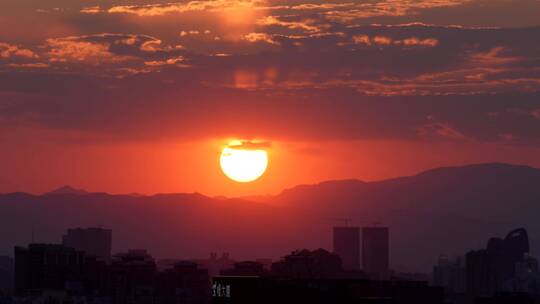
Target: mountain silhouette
{"x": 67, "y": 190}
{"x": 441, "y": 211}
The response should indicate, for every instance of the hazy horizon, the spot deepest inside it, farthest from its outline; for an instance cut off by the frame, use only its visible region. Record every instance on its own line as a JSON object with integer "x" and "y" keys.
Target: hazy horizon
{"x": 134, "y": 192}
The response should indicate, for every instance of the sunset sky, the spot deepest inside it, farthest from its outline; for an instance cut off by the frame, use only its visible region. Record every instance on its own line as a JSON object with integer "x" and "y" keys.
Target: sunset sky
{"x": 142, "y": 95}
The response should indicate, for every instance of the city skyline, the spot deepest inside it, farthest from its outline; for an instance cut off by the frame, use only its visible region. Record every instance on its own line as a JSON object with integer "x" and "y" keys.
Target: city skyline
{"x": 506, "y": 270}
{"x": 269, "y": 151}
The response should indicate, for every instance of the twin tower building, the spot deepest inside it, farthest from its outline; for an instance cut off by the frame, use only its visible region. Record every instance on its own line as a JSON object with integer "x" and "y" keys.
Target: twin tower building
{"x": 373, "y": 252}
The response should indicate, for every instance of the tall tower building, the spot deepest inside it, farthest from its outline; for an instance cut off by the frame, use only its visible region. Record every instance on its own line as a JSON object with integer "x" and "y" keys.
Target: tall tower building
{"x": 95, "y": 242}
{"x": 47, "y": 267}
{"x": 489, "y": 270}
{"x": 347, "y": 246}
{"x": 375, "y": 251}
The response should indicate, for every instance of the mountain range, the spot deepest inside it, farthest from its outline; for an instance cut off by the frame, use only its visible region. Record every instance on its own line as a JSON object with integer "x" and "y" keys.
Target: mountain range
{"x": 442, "y": 211}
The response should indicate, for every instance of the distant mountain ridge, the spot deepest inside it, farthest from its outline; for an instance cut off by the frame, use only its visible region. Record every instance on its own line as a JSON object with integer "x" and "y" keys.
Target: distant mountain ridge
{"x": 440, "y": 172}
{"x": 67, "y": 190}
{"x": 440, "y": 211}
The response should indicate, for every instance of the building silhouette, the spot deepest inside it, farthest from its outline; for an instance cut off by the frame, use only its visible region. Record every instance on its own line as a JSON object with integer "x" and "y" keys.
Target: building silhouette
{"x": 526, "y": 278}
{"x": 95, "y": 242}
{"x": 133, "y": 277}
{"x": 450, "y": 274}
{"x": 184, "y": 283}
{"x": 346, "y": 242}
{"x": 43, "y": 267}
{"x": 375, "y": 251}
{"x": 215, "y": 264}
{"x": 315, "y": 277}
{"x": 488, "y": 270}
{"x": 51, "y": 273}
{"x": 507, "y": 298}
{"x": 308, "y": 264}
{"x": 266, "y": 262}
{"x": 6, "y": 272}
{"x": 246, "y": 268}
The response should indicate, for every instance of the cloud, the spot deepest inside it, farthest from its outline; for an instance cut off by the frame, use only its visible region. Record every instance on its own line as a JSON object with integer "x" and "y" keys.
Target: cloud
{"x": 440, "y": 130}
{"x": 125, "y": 109}
{"x": 328, "y": 79}
{"x": 250, "y": 145}
{"x": 9, "y": 50}
{"x": 170, "y": 8}
{"x": 386, "y": 41}
{"x": 413, "y": 41}
{"x": 109, "y": 49}
{"x": 170, "y": 61}
{"x": 75, "y": 49}
{"x": 361, "y": 39}
{"x": 306, "y": 25}
{"x": 194, "y": 32}
{"x": 382, "y": 40}
{"x": 322, "y": 6}
{"x": 91, "y": 10}
{"x": 495, "y": 56}
{"x": 38, "y": 65}
{"x": 388, "y": 8}
{"x": 153, "y": 45}
{"x": 447, "y": 12}
{"x": 256, "y": 37}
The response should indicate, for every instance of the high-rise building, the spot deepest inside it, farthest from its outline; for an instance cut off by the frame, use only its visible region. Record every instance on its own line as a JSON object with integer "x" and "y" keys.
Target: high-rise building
{"x": 375, "y": 251}
{"x": 347, "y": 246}
{"x": 488, "y": 270}
{"x": 306, "y": 264}
{"x": 6, "y": 272}
{"x": 184, "y": 283}
{"x": 96, "y": 242}
{"x": 526, "y": 278}
{"x": 450, "y": 274}
{"x": 133, "y": 277}
{"x": 42, "y": 267}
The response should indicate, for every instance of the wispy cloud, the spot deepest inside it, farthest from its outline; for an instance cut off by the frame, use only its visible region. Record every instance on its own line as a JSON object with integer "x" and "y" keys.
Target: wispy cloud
{"x": 250, "y": 145}
{"x": 103, "y": 48}
{"x": 38, "y": 65}
{"x": 440, "y": 131}
{"x": 495, "y": 56}
{"x": 385, "y": 41}
{"x": 306, "y": 25}
{"x": 91, "y": 10}
{"x": 258, "y": 37}
{"x": 171, "y": 8}
{"x": 392, "y": 8}
{"x": 10, "y": 50}
{"x": 73, "y": 49}
{"x": 171, "y": 61}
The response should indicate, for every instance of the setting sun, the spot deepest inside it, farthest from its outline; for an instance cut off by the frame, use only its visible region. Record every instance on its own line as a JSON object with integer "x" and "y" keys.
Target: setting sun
{"x": 243, "y": 164}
